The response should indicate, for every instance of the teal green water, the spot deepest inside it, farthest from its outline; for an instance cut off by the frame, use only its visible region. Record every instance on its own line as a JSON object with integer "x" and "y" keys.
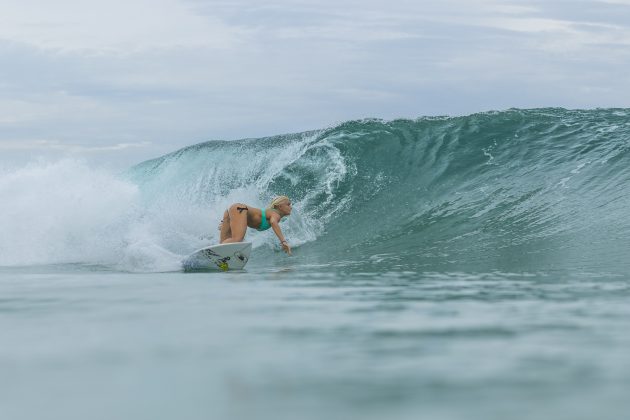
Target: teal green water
{"x": 514, "y": 190}
{"x": 444, "y": 268}
{"x": 292, "y": 342}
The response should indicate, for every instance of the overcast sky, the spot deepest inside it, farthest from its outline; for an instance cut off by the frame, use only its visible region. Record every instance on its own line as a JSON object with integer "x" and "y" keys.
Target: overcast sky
{"x": 126, "y": 80}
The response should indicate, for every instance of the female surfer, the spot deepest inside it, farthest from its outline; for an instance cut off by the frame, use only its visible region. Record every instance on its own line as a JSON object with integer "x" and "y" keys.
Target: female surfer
{"x": 238, "y": 217}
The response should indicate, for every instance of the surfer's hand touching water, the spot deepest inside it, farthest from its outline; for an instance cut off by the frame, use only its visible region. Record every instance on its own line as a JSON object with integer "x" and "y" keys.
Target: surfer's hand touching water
{"x": 286, "y": 247}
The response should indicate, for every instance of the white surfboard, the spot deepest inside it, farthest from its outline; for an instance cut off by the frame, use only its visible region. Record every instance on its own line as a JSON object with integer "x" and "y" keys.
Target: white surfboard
{"x": 224, "y": 257}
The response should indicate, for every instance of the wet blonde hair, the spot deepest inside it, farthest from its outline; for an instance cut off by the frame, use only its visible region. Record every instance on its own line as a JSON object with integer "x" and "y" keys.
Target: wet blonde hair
{"x": 278, "y": 200}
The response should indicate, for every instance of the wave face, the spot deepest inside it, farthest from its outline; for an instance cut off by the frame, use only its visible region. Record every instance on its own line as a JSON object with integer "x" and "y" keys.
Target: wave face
{"x": 519, "y": 190}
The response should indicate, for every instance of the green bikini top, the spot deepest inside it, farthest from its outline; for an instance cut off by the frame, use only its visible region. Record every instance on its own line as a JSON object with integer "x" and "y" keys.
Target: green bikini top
{"x": 264, "y": 224}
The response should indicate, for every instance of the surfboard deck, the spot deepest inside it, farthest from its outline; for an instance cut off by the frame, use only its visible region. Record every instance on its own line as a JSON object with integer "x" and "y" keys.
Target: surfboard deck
{"x": 222, "y": 257}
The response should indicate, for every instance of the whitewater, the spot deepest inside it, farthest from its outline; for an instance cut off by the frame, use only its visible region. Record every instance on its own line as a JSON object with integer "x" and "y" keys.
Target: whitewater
{"x": 443, "y": 268}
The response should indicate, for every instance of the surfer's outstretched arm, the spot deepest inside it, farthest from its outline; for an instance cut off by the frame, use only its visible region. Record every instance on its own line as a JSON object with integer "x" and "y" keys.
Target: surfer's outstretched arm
{"x": 276, "y": 229}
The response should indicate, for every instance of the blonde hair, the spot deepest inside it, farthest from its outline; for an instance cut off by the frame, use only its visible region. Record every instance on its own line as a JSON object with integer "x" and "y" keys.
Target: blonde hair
{"x": 278, "y": 200}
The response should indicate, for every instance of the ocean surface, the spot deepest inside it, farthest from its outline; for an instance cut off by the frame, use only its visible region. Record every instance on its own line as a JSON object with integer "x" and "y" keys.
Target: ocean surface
{"x": 473, "y": 267}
